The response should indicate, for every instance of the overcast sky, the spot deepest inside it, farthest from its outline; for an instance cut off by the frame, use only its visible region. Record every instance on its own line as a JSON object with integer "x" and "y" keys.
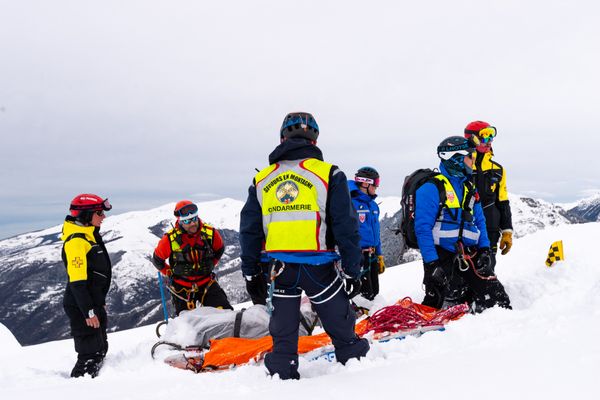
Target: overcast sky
{"x": 148, "y": 102}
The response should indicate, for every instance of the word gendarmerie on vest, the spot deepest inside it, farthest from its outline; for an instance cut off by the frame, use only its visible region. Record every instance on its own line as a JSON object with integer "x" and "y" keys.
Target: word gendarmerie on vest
{"x": 286, "y": 188}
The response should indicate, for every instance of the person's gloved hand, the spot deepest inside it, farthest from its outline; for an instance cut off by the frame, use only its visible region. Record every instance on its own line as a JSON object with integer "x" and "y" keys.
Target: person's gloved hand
{"x": 485, "y": 262}
{"x": 381, "y": 264}
{"x": 256, "y": 286}
{"x": 436, "y": 273}
{"x": 351, "y": 286}
{"x": 506, "y": 241}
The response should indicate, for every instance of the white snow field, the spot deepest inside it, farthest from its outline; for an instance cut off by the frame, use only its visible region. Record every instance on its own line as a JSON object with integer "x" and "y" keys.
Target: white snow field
{"x": 547, "y": 347}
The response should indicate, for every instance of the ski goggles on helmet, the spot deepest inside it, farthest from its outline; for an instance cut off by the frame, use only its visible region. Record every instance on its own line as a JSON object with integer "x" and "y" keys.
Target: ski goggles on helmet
{"x": 488, "y": 134}
{"x": 187, "y": 212}
{"x": 362, "y": 179}
{"x": 188, "y": 221}
{"x": 102, "y": 206}
{"x": 446, "y": 155}
{"x": 298, "y": 121}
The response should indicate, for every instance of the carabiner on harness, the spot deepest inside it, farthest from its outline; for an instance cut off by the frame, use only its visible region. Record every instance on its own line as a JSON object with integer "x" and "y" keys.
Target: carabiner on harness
{"x": 277, "y": 268}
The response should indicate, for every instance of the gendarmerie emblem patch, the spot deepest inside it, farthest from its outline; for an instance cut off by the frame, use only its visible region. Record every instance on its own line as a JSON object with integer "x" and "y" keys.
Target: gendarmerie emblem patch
{"x": 287, "y": 192}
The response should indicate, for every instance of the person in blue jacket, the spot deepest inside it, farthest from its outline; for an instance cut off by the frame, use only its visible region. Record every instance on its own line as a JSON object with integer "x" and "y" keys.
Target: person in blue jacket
{"x": 362, "y": 190}
{"x": 452, "y": 236}
{"x": 298, "y": 210}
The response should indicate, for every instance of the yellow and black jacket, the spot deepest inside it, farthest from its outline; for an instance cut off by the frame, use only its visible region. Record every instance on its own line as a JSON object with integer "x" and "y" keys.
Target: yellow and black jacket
{"x": 490, "y": 179}
{"x": 88, "y": 267}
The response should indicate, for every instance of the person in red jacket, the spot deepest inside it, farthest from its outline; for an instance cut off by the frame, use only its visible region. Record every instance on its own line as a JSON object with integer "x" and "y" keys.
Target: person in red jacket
{"x": 193, "y": 249}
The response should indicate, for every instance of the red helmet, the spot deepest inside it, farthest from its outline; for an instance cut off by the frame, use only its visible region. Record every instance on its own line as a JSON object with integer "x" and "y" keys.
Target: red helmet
{"x": 474, "y": 127}
{"x": 185, "y": 208}
{"x": 88, "y": 202}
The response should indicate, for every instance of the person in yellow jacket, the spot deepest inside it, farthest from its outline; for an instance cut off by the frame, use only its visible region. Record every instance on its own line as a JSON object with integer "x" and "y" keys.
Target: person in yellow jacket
{"x": 89, "y": 273}
{"x": 490, "y": 179}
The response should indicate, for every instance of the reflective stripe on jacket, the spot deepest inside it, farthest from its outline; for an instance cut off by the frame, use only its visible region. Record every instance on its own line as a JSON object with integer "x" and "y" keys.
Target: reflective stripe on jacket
{"x": 192, "y": 260}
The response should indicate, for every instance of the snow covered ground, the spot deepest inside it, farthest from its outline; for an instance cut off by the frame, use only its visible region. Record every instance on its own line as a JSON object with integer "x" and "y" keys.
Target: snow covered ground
{"x": 547, "y": 347}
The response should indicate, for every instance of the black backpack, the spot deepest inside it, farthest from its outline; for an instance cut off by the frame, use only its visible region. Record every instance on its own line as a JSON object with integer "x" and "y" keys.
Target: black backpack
{"x": 409, "y": 202}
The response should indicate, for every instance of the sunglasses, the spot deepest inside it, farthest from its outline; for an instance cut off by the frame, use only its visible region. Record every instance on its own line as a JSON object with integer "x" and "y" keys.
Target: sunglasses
{"x": 100, "y": 213}
{"x": 188, "y": 221}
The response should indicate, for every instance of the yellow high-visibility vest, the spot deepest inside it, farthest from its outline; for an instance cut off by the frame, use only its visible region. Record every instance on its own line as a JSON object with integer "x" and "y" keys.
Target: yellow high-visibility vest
{"x": 293, "y": 196}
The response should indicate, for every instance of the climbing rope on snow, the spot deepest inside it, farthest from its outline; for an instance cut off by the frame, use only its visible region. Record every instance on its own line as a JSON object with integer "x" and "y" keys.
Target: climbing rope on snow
{"x": 406, "y": 315}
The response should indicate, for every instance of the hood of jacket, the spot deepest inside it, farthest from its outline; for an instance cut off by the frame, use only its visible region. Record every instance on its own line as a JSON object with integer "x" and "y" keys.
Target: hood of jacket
{"x": 70, "y": 227}
{"x": 295, "y": 149}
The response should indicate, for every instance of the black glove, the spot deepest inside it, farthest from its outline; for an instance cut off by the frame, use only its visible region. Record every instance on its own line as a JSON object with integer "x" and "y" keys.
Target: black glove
{"x": 256, "y": 286}
{"x": 351, "y": 286}
{"x": 435, "y": 273}
{"x": 485, "y": 262}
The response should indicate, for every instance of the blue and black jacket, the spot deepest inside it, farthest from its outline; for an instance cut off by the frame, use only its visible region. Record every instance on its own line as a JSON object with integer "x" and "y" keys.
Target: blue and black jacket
{"x": 442, "y": 230}
{"x": 368, "y": 217}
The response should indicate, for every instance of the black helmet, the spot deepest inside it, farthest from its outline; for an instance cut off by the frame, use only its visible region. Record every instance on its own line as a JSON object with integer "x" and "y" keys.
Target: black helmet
{"x": 454, "y": 145}
{"x": 367, "y": 175}
{"x": 299, "y": 124}
{"x": 452, "y": 152}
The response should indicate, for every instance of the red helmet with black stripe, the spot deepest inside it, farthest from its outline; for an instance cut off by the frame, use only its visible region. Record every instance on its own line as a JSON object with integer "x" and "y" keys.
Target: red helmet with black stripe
{"x": 88, "y": 202}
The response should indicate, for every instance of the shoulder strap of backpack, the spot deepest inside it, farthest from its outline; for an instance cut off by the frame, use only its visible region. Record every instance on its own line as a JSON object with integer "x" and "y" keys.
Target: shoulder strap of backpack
{"x": 80, "y": 236}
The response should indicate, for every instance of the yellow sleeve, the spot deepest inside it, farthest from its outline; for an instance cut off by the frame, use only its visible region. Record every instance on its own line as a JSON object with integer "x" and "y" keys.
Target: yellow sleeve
{"x": 76, "y": 251}
{"x": 503, "y": 194}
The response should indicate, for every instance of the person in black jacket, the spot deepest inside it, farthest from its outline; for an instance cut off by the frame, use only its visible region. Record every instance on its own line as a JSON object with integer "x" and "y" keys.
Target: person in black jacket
{"x": 89, "y": 273}
{"x": 298, "y": 210}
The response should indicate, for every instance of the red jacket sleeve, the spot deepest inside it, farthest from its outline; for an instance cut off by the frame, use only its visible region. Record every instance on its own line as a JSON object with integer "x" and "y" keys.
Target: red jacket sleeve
{"x": 163, "y": 249}
{"x": 218, "y": 246}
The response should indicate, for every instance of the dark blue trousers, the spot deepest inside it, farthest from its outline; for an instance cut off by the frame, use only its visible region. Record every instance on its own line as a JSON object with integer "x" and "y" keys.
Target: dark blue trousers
{"x": 326, "y": 292}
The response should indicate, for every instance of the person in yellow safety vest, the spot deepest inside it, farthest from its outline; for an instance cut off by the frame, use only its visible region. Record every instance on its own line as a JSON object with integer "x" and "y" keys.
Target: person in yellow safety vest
{"x": 193, "y": 249}
{"x": 452, "y": 236}
{"x": 89, "y": 273}
{"x": 489, "y": 178}
{"x": 300, "y": 209}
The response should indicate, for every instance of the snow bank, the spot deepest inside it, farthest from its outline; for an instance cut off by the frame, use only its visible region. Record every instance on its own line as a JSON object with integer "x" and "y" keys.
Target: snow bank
{"x": 8, "y": 342}
{"x": 547, "y": 347}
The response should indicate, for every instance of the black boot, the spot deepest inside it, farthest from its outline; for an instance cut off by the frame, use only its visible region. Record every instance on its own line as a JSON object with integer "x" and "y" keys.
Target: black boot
{"x": 79, "y": 369}
{"x": 89, "y": 366}
{"x": 93, "y": 366}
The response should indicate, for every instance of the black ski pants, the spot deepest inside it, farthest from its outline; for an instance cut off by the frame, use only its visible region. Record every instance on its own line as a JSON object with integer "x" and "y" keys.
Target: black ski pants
{"x": 325, "y": 290}
{"x": 459, "y": 289}
{"x": 90, "y": 343}
{"x": 485, "y": 293}
{"x": 370, "y": 278}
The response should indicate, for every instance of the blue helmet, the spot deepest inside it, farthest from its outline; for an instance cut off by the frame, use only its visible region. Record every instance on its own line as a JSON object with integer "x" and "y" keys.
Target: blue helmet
{"x": 299, "y": 124}
{"x": 452, "y": 152}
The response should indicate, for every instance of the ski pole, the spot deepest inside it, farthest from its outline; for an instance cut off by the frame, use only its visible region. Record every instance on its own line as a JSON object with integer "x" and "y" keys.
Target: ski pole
{"x": 162, "y": 298}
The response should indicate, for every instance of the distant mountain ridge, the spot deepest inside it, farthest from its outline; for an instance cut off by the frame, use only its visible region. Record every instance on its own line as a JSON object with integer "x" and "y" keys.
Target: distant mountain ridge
{"x": 32, "y": 276}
